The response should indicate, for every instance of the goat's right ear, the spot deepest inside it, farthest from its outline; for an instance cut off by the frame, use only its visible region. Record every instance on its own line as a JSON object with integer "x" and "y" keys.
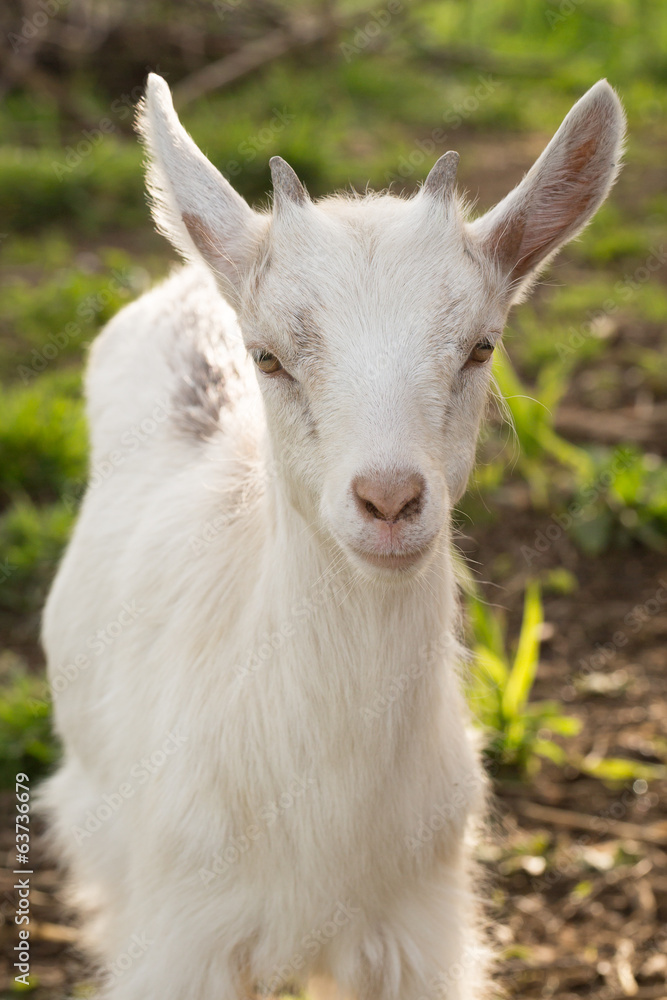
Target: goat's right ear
{"x": 193, "y": 205}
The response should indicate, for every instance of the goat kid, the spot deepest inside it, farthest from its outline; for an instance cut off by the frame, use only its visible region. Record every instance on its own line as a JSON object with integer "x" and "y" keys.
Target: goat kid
{"x": 309, "y": 390}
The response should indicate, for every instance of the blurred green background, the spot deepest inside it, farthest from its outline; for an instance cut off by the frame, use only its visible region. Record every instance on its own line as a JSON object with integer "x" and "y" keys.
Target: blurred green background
{"x": 350, "y": 94}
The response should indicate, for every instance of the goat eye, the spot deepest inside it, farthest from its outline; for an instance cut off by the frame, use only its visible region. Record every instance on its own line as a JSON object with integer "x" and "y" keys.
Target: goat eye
{"x": 266, "y": 362}
{"x": 480, "y": 353}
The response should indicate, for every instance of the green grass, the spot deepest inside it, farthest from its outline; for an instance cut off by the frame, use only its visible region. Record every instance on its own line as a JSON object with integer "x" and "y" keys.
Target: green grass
{"x": 32, "y": 539}
{"x": 43, "y": 439}
{"x": 624, "y": 503}
{"x": 48, "y": 322}
{"x": 26, "y": 742}
{"x": 104, "y": 191}
{"x": 605, "y": 497}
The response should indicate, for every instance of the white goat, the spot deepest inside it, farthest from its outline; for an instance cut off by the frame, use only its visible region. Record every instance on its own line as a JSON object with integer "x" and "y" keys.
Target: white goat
{"x": 267, "y": 778}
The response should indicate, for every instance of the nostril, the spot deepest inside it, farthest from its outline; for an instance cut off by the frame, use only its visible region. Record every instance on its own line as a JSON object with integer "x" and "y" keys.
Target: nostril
{"x": 374, "y": 511}
{"x": 412, "y": 507}
{"x": 389, "y": 498}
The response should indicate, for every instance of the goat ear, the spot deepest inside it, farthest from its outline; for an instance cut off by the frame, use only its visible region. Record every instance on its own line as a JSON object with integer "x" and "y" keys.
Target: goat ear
{"x": 560, "y": 193}
{"x": 193, "y": 205}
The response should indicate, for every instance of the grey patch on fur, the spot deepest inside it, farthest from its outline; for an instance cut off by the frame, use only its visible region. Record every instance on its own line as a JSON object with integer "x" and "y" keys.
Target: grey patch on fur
{"x": 199, "y": 397}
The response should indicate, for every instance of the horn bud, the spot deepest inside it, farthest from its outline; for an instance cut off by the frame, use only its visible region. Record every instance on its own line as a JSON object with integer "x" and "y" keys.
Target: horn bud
{"x": 442, "y": 178}
{"x": 286, "y": 185}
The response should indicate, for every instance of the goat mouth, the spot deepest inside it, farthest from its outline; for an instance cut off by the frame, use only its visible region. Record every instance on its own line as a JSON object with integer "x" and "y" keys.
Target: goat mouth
{"x": 394, "y": 560}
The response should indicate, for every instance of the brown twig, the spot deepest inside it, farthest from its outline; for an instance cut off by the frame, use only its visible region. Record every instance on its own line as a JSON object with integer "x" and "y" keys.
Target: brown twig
{"x": 297, "y": 34}
{"x": 656, "y": 833}
{"x": 277, "y": 43}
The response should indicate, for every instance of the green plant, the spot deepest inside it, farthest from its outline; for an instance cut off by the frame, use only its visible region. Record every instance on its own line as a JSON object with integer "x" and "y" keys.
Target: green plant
{"x": 532, "y": 418}
{"x": 520, "y": 731}
{"x": 628, "y": 503}
{"x": 501, "y": 683}
{"x": 47, "y": 319}
{"x": 616, "y": 771}
{"x": 43, "y": 438}
{"x": 26, "y": 742}
{"x": 32, "y": 539}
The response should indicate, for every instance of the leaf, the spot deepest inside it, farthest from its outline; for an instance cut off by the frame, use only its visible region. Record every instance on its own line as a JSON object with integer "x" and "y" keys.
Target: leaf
{"x": 492, "y": 666}
{"x": 515, "y": 737}
{"x": 524, "y": 668}
{"x": 594, "y": 534}
{"x": 620, "y": 769}
{"x": 551, "y": 750}
{"x": 564, "y": 725}
{"x": 488, "y": 627}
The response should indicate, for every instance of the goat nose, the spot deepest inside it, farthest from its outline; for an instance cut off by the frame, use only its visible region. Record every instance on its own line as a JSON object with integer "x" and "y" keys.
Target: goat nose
{"x": 390, "y": 498}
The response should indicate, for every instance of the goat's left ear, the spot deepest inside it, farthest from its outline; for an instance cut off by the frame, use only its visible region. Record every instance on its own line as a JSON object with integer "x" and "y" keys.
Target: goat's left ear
{"x": 193, "y": 205}
{"x": 560, "y": 193}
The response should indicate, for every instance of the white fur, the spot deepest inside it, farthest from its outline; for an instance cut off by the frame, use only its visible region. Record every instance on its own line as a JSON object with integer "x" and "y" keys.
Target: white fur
{"x": 277, "y": 722}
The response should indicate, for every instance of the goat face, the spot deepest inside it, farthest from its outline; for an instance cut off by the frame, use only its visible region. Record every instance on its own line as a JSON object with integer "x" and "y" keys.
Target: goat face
{"x": 372, "y": 321}
{"x": 372, "y": 324}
